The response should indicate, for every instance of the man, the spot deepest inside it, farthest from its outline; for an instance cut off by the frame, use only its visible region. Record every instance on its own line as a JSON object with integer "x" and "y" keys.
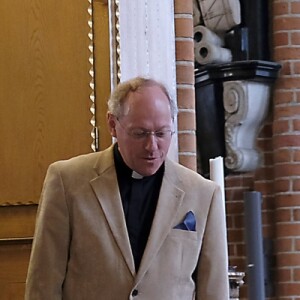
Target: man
{"x": 127, "y": 222}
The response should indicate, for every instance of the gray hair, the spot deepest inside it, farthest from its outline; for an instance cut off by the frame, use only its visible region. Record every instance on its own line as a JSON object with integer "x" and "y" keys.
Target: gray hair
{"x": 118, "y": 96}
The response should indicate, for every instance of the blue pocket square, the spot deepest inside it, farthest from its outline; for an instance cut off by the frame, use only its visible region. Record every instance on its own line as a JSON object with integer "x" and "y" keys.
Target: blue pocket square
{"x": 189, "y": 222}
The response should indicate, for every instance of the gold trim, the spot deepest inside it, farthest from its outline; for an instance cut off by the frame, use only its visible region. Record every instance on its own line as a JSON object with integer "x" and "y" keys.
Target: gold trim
{"x": 28, "y": 203}
{"x": 94, "y": 145}
{"x": 114, "y": 26}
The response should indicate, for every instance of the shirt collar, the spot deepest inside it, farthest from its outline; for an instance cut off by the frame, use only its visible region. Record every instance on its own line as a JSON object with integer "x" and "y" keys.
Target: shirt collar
{"x": 122, "y": 168}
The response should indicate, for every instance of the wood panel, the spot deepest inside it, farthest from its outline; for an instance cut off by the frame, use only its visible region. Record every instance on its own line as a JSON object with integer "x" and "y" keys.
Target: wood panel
{"x": 16, "y": 232}
{"x": 44, "y": 112}
{"x": 44, "y": 96}
{"x": 13, "y": 265}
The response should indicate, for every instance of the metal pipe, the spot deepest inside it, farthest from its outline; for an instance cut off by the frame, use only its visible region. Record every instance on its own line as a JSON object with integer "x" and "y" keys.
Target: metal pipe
{"x": 254, "y": 245}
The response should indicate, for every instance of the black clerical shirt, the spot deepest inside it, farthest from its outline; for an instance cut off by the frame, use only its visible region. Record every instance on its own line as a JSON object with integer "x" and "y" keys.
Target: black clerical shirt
{"x": 139, "y": 198}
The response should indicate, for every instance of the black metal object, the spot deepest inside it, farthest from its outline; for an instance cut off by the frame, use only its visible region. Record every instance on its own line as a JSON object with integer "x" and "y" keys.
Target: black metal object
{"x": 255, "y": 17}
{"x": 254, "y": 245}
{"x": 237, "y": 40}
{"x": 209, "y": 124}
{"x": 209, "y": 103}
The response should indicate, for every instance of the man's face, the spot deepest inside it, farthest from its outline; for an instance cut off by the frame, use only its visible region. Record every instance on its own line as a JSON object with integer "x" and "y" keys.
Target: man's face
{"x": 144, "y": 130}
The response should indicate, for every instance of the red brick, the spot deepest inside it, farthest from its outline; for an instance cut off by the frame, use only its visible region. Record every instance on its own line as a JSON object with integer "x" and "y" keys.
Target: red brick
{"x": 280, "y": 39}
{"x": 296, "y": 68}
{"x": 185, "y": 74}
{"x": 188, "y": 161}
{"x": 264, "y": 187}
{"x": 283, "y": 155}
{"x": 184, "y": 50}
{"x": 280, "y": 126}
{"x": 235, "y": 235}
{"x": 286, "y": 170}
{"x": 284, "y": 275}
{"x": 229, "y": 221}
{"x": 234, "y": 207}
{"x": 288, "y": 230}
{"x": 284, "y": 215}
{"x": 186, "y": 120}
{"x": 238, "y": 180}
{"x": 287, "y": 200}
{"x": 240, "y": 249}
{"x": 297, "y": 245}
{"x": 286, "y": 23}
{"x": 295, "y": 7}
{"x": 282, "y": 185}
{"x": 235, "y": 195}
{"x": 282, "y": 97}
{"x": 295, "y": 38}
{"x": 186, "y": 98}
{"x": 296, "y": 215}
{"x": 296, "y": 274}
{"x": 281, "y": 141}
{"x": 283, "y": 245}
{"x": 183, "y": 7}
{"x": 280, "y": 8}
{"x": 187, "y": 142}
{"x": 232, "y": 249}
{"x": 267, "y": 218}
{"x": 268, "y": 159}
{"x": 286, "y": 53}
{"x": 184, "y": 27}
{"x": 296, "y": 125}
{"x": 288, "y": 289}
{"x": 296, "y": 155}
{"x": 238, "y": 221}
{"x": 265, "y": 173}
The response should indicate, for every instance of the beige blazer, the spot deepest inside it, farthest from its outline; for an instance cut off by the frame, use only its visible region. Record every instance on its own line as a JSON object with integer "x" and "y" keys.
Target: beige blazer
{"x": 81, "y": 249}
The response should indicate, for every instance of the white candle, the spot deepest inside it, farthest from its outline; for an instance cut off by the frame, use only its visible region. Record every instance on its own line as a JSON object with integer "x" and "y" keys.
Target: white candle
{"x": 216, "y": 170}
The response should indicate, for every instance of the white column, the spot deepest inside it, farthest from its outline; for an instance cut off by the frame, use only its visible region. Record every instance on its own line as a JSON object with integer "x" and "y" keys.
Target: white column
{"x": 147, "y": 45}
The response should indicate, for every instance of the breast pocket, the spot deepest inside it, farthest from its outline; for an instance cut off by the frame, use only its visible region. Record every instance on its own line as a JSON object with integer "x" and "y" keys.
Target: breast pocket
{"x": 183, "y": 234}
{"x": 181, "y": 248}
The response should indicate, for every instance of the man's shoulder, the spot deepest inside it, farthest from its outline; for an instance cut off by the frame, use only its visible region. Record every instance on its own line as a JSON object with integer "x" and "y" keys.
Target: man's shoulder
{"x": 89, "y": 160}
{"x": 184, "y": 173}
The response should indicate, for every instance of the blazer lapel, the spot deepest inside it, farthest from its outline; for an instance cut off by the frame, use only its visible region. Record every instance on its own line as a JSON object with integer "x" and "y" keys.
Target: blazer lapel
{"x": 106, "y": 189}
{"x": 169, "y": 201}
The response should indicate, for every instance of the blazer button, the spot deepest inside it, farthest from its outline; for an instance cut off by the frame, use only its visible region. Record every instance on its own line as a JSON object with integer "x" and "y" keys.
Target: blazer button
{"x": 134, "y": 293}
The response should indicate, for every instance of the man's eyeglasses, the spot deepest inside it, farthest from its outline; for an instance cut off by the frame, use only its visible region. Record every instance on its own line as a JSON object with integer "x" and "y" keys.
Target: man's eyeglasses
{"x": 140, "y": 134}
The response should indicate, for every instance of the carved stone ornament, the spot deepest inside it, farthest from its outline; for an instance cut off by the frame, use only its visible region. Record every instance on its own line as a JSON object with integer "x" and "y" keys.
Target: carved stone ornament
{"x": 246, "y": 105}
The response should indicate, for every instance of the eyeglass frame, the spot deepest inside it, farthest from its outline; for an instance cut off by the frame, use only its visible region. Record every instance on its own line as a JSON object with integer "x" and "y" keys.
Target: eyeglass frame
{"x": 144, "y": 134}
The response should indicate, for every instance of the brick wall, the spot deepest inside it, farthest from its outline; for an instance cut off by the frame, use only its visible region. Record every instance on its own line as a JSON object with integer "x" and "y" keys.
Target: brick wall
{"x": 185, "y": 82}
{"x": 286, "y": 146}
{"x": 279, "y": 176}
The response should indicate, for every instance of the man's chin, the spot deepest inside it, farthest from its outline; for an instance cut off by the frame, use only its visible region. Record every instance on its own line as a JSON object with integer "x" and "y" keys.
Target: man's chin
{"x": 149, "y": 171}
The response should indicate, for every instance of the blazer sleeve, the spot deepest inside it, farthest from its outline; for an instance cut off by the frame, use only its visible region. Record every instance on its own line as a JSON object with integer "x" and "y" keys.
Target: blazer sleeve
{"x": 49, "y": 254}
{"x": 212, "y": 273}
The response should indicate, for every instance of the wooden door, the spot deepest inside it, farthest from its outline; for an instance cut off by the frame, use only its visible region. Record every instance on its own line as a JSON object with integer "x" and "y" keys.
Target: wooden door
{"x": 45, "y": 111}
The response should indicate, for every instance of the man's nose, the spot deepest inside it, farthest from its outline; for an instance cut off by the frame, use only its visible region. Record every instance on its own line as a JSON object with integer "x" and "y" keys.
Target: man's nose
{"x": 151, "y": 141}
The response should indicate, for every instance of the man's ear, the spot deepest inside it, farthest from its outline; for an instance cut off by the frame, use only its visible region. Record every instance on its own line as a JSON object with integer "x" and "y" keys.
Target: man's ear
{"x": 111, "y": 121}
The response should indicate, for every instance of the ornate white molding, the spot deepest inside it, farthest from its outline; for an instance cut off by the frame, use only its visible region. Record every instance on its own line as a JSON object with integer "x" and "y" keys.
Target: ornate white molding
{"x": 246, "y": 105}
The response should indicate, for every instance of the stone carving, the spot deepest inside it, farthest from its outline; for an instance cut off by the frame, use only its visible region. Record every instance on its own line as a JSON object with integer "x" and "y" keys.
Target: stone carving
{"x": 246, "y": 104}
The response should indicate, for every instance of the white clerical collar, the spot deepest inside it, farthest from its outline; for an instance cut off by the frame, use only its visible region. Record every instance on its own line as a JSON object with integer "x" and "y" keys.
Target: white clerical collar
{"x": 136, "y": 175}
